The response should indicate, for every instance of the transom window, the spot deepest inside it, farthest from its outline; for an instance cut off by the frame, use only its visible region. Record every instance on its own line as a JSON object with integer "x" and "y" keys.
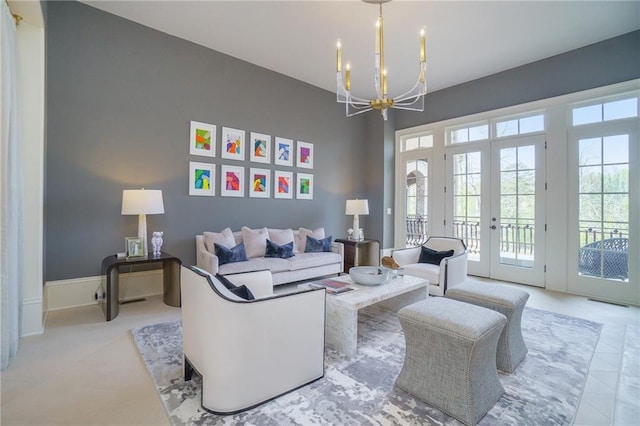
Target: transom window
{"x": 417, "y": 142}
{"x": 519, "y": 125}
{"x": 469, "y": 133}
{"x": 605, "y": 111}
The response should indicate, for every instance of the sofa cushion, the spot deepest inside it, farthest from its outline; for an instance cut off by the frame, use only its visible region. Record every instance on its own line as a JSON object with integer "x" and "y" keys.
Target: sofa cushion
{"x": 255, "y": 264}
{"x": 224, "y": 238}
{"x": 241, "y": 291}
{"x": 318, "y": 234}
{"x": 255, "y": 241}
{"x": 434, "y": 257}
{"x": 283, "y": 251}
{"x": 424, "y": 270}
{"x": 281, "y": 236}
{"x": 312, "y": 260}
{"x": 276, "y": 264}
{"x": 315, "y": 245}
{"x": 230, "y": 255}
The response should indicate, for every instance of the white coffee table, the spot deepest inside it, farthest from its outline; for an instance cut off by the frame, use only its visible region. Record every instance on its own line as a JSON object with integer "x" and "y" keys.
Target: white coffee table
{"x": 341, "y": 329}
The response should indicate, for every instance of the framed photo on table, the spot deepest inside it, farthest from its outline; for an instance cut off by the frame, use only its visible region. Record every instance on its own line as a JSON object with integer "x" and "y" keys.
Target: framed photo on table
{"x": 134, "y": 247}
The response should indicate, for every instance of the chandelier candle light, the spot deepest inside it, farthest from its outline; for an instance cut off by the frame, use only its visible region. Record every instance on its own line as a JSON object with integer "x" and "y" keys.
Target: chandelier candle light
{"x": 412, "y": 100}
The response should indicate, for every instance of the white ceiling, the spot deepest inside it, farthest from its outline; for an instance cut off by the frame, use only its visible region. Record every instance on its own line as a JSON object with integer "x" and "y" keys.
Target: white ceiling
{"x": 465, "y": 39}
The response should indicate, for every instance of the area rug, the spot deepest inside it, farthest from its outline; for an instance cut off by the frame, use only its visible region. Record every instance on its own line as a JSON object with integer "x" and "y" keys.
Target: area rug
{"x": 545, "y": 388}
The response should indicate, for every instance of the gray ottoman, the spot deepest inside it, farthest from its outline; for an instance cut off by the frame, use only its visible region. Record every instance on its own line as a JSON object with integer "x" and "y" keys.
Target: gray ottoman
{"x": 450, "y": 361}
{"x": 509, "y": 302}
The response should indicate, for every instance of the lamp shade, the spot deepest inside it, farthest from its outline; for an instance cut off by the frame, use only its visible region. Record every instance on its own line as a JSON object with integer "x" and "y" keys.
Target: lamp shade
{"x": 142, "y": 201}
{"x": 357, "y": 207}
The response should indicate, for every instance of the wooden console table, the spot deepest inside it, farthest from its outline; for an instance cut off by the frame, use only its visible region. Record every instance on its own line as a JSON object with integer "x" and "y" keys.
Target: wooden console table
{"x": 360, "y": 253}
{"x": 170, "y": 277}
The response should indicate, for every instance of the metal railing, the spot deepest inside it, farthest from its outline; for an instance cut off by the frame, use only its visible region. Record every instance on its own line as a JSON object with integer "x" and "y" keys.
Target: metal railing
{"x": 591, "y": 234}
{"x": 416, "y": 234}
{"x": 469, "y": 232}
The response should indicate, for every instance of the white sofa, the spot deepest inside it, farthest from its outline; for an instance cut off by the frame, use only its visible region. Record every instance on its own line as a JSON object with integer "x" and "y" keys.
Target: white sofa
{"x": 249, "y": 351}
{"x": 302, "y": 266}
{"x": 450, "y": 272}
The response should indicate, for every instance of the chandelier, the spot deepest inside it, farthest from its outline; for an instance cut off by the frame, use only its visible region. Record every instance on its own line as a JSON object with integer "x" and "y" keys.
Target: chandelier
{"x": 412, "y": 100}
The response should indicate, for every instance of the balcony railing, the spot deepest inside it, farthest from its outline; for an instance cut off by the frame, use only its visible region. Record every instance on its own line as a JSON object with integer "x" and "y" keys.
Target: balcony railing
{"x": 416, "y": 233}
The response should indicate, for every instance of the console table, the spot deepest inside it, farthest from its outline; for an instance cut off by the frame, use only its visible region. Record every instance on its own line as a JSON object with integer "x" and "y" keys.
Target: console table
{"x": 170, "y": 277}
{"x": 360, "y": 253}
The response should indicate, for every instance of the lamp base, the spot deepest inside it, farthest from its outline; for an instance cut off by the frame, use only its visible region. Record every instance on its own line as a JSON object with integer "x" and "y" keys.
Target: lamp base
{"x": 142, "y": 233}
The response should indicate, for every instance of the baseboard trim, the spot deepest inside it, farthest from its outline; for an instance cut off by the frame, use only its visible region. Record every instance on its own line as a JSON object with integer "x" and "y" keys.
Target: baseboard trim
{"x": 78, "y": 292}
{"x": 32, "y": 320}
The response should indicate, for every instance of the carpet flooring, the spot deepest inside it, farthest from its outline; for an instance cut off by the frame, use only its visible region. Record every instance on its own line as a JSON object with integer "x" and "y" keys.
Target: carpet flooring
{"x": 545, "y": 388}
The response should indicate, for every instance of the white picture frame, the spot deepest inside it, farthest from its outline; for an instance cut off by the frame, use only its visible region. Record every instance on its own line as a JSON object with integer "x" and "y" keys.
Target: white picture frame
{"x": 304, "y": 186}
{"x": 260, "y": 148}
{"x": 283, "y": 152}
{"x": 233, "y": 144}
{"x": 202, "y": 179}
{"x": 304, "y": 155}
{"x": 283, "y": 185}
{"x": 202, "y": 139}
{"x": 259, "y": 183}
{"x": 231, "y": 181}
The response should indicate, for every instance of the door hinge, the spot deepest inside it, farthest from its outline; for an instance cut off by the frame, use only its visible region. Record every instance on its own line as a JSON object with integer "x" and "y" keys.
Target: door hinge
{"x": 445, "y": 222}
{"x": 445, "y": 189}
{"x": 545, "y": 227}
{"x": 545, "y": 268}
{"x": 445, "y": 157}
{"x": 545, "y": 186}
{"x": 545, "y": 144}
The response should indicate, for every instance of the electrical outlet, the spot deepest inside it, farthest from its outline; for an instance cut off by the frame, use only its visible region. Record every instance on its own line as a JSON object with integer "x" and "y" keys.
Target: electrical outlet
{"x": 100, "y": 295}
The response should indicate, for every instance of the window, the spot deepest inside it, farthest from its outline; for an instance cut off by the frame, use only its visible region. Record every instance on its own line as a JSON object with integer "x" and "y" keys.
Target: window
{"x": 474, "y": 133}
{"x": 417, "y": 142}
{"x": 605, "y": 111}
{"x": 519, "y": 126}
{"x": 417, "y": 196}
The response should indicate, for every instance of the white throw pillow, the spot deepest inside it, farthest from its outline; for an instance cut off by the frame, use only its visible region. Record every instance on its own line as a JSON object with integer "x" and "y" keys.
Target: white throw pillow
{"x": 255, "y": 241}
{"x": 224, "y": 238}
{"x": 318, "y": 234}
{"x": 281, "y": 236}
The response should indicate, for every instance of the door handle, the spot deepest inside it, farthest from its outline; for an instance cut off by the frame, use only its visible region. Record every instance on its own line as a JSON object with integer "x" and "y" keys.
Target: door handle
{"x": 493, "y": 227}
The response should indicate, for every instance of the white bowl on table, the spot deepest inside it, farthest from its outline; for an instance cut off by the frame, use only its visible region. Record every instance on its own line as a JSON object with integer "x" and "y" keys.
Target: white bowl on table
{"x": 369, "y": 275}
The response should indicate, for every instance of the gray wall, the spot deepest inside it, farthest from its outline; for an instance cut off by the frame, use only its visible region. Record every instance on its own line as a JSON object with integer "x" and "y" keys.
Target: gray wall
{"x": 119, "y": 101}
{"x": 600, "y": 64}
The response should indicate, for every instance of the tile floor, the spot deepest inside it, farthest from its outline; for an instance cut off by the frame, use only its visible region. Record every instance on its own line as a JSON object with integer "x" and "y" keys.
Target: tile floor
{"x": 84, "y": 370}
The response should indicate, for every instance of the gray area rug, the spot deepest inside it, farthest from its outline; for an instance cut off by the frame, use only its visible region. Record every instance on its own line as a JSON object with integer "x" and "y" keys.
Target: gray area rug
{"x": 544, "y": 390}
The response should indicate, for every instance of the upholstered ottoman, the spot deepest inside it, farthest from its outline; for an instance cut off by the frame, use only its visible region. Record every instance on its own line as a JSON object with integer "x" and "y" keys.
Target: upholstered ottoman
{"x": 450, "y": 356}
{"x": 509, "y": 302}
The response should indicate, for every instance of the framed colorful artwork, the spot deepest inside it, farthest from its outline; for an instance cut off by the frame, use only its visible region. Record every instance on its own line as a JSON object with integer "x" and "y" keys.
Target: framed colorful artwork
{"x": 231, "y": 181}
{"x": 233, "y": 143}
{"x": 282, "y": 184}
{"x": 202, "y": 179}
{"x": 304, "y": 187}
{"x": 259, "y": 183}
{"x": 305, "y": 155}
{"x": 283, "y": 152}
{"x": 202, "y": 139}
{"x": 260, "y": 148}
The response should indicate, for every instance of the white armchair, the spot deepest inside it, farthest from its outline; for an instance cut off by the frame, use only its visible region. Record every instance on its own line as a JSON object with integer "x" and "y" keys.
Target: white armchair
{"x": 450, "y": 272}
{"x": 249, "y": 351}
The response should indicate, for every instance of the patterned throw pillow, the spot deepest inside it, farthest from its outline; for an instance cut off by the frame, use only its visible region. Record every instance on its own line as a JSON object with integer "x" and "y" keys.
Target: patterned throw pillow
{"x": 314, "y": 245}
{"x": 283, "y": 251}
{"x": 230, "y": 255}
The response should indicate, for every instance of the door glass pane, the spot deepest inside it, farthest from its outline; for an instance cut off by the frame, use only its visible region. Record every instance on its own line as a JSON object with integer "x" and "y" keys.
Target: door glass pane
{"x": 603, "y": 214}
{"x": 417, "y": 197}
{"x": 466, "y": 201}
{"x": 517, "y": 206}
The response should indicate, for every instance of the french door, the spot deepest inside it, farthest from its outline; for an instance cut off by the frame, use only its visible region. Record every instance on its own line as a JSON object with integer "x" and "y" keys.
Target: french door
{"x": 604, "y": 213}
{"x": 497, "y": 206}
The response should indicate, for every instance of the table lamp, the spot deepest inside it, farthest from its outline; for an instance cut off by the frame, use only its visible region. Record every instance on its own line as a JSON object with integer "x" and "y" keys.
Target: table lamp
{"x": 142, "y": 202}
{"x": 356, "y": 208}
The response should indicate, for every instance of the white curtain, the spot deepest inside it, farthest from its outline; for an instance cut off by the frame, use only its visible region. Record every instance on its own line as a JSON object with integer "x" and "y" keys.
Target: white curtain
{"x": 11, "y": 218}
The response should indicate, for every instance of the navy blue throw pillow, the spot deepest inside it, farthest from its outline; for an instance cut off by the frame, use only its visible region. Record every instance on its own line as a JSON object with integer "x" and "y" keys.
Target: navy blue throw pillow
{"x": 240, "y": 291}
{"x": 283, "y": 251}
{"x": 226, "y": 255}
{"x": 433, "y": 256}
{"x": 314, "y": 245}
